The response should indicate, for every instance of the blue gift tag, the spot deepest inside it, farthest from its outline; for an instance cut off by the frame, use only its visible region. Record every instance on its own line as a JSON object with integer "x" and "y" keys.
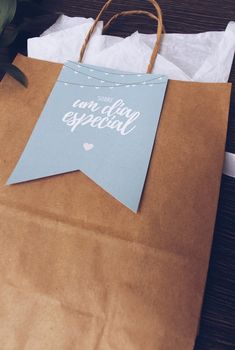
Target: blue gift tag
{"x": 100, "y": 121}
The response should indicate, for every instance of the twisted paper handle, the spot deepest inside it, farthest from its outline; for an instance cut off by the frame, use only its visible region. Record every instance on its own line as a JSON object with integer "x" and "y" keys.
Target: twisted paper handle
{"x": 130, "y": 13}
{"x": 158, "y": 18}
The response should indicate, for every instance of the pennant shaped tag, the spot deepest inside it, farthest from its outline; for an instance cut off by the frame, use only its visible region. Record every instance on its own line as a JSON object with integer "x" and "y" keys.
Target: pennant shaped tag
{"x": 100, "y": 121}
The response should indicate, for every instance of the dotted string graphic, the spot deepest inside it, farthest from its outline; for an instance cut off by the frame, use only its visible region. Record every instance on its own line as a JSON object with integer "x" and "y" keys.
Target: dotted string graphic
{"x": 93, "y": 68}
{"x": 115, "y": 82}
{"x": 66, "y": 83}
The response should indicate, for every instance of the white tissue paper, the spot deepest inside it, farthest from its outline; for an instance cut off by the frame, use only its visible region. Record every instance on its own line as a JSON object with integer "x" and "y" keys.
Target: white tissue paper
{"x": 203, "y": 57}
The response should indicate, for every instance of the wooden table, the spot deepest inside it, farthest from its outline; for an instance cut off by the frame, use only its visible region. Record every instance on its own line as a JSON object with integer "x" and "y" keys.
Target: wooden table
{"x": 217, "y": 330}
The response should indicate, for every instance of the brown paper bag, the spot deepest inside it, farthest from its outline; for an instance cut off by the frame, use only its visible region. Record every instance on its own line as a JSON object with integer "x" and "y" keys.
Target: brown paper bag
{"x": 78, "y": 270}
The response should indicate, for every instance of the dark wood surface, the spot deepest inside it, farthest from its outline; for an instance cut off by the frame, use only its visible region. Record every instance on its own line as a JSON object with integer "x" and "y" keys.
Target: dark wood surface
{"x": 217, "y": 329}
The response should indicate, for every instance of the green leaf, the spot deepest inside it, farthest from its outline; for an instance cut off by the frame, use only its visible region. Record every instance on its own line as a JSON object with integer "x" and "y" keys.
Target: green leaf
{"x": 15, "y": 72}
{"x": 7, "y": 12}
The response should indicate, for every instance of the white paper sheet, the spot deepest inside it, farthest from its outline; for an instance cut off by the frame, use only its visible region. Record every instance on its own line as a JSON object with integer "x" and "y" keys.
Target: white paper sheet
{"x": 203, "y": 57}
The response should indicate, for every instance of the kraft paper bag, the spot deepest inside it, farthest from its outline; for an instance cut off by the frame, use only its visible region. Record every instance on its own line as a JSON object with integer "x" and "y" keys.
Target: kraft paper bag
{"x": 78, "y": 269}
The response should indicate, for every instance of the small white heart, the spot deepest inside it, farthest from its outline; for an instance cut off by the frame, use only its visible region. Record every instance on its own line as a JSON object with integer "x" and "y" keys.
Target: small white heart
{"x": 88, "y": 146}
